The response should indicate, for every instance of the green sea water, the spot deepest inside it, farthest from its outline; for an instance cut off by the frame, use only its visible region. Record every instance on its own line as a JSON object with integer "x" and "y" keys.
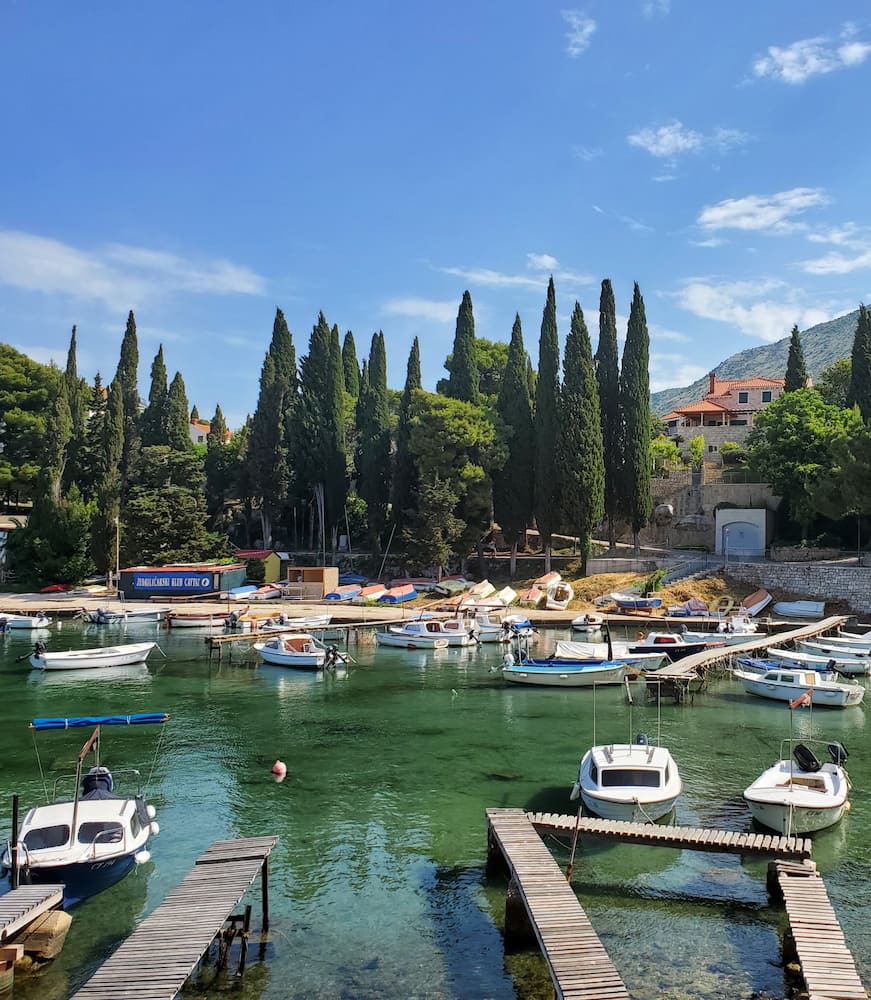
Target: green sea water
{"x": 378, "y": 885}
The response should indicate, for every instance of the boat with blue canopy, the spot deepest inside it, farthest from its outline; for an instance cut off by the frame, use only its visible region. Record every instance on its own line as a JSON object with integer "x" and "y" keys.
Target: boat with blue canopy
{"x": 93, "y": 839}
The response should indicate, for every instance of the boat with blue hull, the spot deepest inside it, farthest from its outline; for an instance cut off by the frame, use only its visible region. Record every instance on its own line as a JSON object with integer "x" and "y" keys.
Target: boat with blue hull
{"x": 91, "y": 841}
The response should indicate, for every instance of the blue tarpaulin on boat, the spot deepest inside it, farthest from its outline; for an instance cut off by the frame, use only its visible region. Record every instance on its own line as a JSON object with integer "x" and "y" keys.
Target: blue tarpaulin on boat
{"x": 81, "y": 721}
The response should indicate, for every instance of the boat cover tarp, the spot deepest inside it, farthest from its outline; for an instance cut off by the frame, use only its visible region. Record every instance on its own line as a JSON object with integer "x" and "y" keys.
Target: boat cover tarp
{"x": 82, "y": 721}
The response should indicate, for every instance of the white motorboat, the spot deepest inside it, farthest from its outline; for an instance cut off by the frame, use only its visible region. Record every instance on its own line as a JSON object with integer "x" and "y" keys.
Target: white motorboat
{"x": 861, "y": 640}
{"x": 421, "y": 633}
{"x": 558, "y": 596}
{"x": 566, "y": 649}
{"x": 493, "y": 627}
{"x": 91, "y": 841}
{"x": 565, "y": 674}
{"x": 590, "y": 624}
{"x": 196, "y": 619}
{"x": 823, "y": 658}
{"x": 635, "y": 782}
{"x": 298, "y": 649}
{"x": 81, "y": 659}
{"x": 732, "y": 632}
{"x": 24, "y": 622}
{"x": 674, "y": 644}
{"x": 126, "y": 616}
{"x": 785, "y": 684}
{"x": 798, "y": 794}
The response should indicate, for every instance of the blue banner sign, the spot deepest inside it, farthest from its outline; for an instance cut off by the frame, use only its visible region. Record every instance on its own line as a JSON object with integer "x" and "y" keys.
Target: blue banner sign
{"x": 173, "y": 581}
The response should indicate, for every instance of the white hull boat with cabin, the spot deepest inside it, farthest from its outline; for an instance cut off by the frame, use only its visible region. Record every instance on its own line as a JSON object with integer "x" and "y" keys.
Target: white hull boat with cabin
{"x": 821, "y": 660}
{"x": 785, "y": 684}
{"x": 298, "y": 649}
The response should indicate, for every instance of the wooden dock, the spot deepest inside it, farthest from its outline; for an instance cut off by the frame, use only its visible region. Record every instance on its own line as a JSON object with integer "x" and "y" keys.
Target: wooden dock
{"x": 576, "y": 959}
{"x": 815, "y": 938}
{"x": 20, "y": 907}
{"x": 156, "y": 960}
{"x": 679, "y": 837}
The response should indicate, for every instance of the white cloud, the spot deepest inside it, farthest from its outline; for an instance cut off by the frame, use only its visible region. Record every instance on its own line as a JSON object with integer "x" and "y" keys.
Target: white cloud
{"x": 118, "y": 275}
{"x": 850, "y": 236}
{"x": 772, "y": 213}
{"x": 46, "y": 355}
{"x": 838, "y": 263}
{"x": 600, "y": 211}
{"x": 664, "y": 178}
{"x": 656, "y": 8}
{"x": 541, "y": 262}
{"x": 669, "y": 370}
{"x": 541, "y": 265}
{"x": 438, "y": 312}
{"x": 587, "y": 153}
{"x": 674, "y": 139}
{"x": 712, "y": 241}
{"x": 580, "y": 31}
{"x": 750, "y": 306}
{"x": 635, "y": 225}
{"x": 812, "y": 57}
{"x": 663, "y": 333}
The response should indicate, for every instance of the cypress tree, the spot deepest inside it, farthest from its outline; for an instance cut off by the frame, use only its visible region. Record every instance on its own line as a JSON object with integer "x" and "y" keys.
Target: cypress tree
{"x": 92, "y": 469}
{"x": 608, "y": 377}
{"x": 178, "y": 435}
{"x": 195, "y": 414}
{"x": 796, "y": 370}
{"x": 463, "y": 381}
{"x": 635, "y": 406}
{"x": 859, "y": 393}
{"x": 266, "y": 458}
{"x": 217, "y": 429}
{"x": 513, "y": 485}
{"x": 579, "y": 446}
{"x": 546, "y": 423}
{"x": 77, "y": 397}
{"x": 109, "y": 491}
{"x": 337, "y": 478}
{"x": 152, "y": 424}
{"x": 404, "y": 468}
{"x": 57, "y": 438}
{"x": 372, "y": 457}
{"x": 350, "y": 366}
{"x": 128, "y": 374}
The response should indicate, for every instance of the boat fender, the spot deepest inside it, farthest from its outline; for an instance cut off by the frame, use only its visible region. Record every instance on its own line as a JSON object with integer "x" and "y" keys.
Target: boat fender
{"x": 575, "y": 792}
{"x": 154, "y": 827}
{"x": 143, "y": 857}
{"x": 150, "y": 811}
{"x": 279, "y": 768}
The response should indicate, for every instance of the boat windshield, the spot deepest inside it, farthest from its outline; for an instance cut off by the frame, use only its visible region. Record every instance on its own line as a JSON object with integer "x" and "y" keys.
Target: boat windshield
{"x": 617, "y": 777}
{"x": 46, "y": 837}
{"x": 104, "y": 833}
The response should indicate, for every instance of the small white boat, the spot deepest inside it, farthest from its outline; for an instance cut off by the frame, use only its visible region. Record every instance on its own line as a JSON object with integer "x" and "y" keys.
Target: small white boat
{"x": 456, "y": 632}
{"x": 24, "y": 622}
{"x": 800, "y": 609}
{"x": 493, "y": 627}
{"x": 784, "y": 684}
{"x": 372, "y": 592}
{"x": 756, "y": 602}
{"x": 741, "y": 631}
{"x": 799, "y": 794}
{"x": 297, "y": 649}
{"x": 558, "y": 596}
{"x": 91, "y": 841}
{"x": 196, "y": 619}
{"x": 80, "y": 659}
{"x": 481, "y": 590}
{"x": 634, "y": 782}
{"x": 859, "y": 639}
{"x": 419, "y": 640}
{"x": 590, "y": 623}
{"x": 128, "y": 616}
{"x": 809, "y": 654}
{"x": 506, "y": 596}
{"x": 566, "y": 674}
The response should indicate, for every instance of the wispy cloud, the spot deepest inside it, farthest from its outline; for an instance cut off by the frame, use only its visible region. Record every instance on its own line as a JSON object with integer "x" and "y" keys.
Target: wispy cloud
{"x": 539, "y": 268}
{"x": 118, "y": 275}
{"x": 674, "y": 139}
{"x": 656, "y": 8}
{"x": 580, "y": 31}
{"x": 765, "y": 309}
{"x": 663, "y": 333}
{"x": 598, "y": 210}
{"x": 541, "y": 262}
{"x": 712, "y": 241}
{"x": 635, "y": 225}
{"x": 838, "y": 263}
{"x": 768, "y": 213}
{"x": 438, "y": 312}
{"x": 812, "y": 57}
{"x": 587, "y": 153}
{"x": 669, "y": 370}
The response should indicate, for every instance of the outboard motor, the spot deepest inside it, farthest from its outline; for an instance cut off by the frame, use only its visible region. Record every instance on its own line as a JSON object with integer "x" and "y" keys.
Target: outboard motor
{"x": 39, "y": 648}
{"x": 838, "y": 753}
{"x": 97, "y": 783}
{"x": 332, "y": 657}
{"x": 642, "y": 740}
{"x": 4, "y": 625}
{"x": 805, "y": 758}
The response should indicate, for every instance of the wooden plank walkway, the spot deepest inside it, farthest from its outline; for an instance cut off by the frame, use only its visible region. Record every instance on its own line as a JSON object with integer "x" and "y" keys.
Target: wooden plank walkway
{"x": 577, "y": 961}
{"x": 156, "y": 960}
{"x": 827, "y": 965}
{"x": 680, "y": 837}
{"x": 22, "y": 906}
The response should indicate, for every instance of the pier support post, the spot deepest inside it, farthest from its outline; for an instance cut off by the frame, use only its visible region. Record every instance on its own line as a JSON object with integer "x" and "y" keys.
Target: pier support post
{"x": 519, "y": 933}
{"x": 496, "y": 864}
{"x": 13, "y": 849}
{"x": 264, "y": 893}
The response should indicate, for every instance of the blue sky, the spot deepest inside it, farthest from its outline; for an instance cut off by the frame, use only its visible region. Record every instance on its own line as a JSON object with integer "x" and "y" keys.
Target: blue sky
{"x": 203, "y": 163}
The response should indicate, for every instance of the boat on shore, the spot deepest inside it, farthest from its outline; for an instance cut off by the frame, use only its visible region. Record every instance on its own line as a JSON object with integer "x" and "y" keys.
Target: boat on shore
{"x": 785, "y": 684}
{"x": 398, "y": 595}
{"x": 558, "y": 596}
{"x": 94, "y": 839}
{"x": 755, "y": 602}
{"x": 633, "y": 782}
{"x": 81, "y": 659}
{"x": 531, "y": 597}
{"x": 371, "y": 592}
{"x": 799, "y": 609}
{"x": 345, "y": 592}
{"x": 635, "y": 602}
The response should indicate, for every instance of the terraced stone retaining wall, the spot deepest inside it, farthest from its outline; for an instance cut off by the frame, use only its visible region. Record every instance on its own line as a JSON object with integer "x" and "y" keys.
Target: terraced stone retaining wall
{"x": 851, "y": 584}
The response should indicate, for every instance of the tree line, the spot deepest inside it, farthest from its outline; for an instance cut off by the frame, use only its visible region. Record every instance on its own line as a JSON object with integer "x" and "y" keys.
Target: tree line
{"x": 331, "y": 450}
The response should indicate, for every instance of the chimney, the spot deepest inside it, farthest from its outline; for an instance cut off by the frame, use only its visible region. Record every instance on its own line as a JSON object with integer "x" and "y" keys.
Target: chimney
{"x": 712, "y": 381}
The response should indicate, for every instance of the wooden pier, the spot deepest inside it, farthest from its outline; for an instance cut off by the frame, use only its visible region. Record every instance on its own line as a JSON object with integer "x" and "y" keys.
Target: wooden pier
{"x": 20, "y": 907}
{"x": 815, "y": 938}
{"x": 156, "y": 960}
{"x": 576, "y": 959}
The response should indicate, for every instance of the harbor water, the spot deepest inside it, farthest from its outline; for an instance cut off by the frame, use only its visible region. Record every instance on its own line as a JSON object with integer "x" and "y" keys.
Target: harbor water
{"x": 378, "y": 886}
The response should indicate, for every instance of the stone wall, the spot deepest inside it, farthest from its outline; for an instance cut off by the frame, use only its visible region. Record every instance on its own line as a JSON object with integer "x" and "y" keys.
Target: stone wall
{"x": 795, "y": 553}
{"x": 850, "y": 584}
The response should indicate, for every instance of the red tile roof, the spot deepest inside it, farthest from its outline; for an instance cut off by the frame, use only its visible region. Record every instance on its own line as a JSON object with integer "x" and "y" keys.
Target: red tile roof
{"x": 253, "y": 553}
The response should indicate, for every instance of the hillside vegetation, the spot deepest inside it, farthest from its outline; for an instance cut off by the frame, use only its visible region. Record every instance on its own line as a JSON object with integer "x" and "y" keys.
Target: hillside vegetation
{"x": 822, "y": 346}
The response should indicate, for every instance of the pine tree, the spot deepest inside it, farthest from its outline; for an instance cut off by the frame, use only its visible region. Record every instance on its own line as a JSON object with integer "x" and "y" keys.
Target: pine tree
{"x": 463, "y": 381}
{"x": 796, "y": 370}
{"x": 635, "y": 407}
{"x": 546, "y": 423}
{"x": 372, "y": 457}
{"x": 404, "y": 469}
{"x": 608, "y": 377}
{"x": 178, "y": 434}
{"x": 579, "y": 445}
{"x": 350, "y": 366}
{"x": 217, "y": 429}
{"x": 152, "y": 423}
{"x": 128, "y": 374}
{"x": 859, "y": 393}
{"x": 513, "y": 484}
